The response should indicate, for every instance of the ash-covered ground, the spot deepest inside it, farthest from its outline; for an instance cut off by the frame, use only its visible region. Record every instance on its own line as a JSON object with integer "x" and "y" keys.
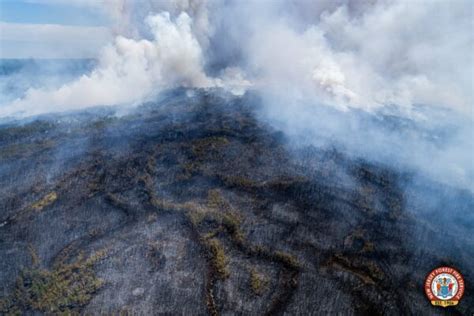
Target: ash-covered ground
{"x": 192, "y": 206}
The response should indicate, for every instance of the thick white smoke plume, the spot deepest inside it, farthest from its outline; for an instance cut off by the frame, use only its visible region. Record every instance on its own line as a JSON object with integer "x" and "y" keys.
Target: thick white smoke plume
{"x": 391, "y": 53}
{"x": 131, "y": 71}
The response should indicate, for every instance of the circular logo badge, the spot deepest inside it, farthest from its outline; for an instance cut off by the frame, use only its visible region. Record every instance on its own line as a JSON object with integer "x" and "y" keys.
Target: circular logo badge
{"x": 444, "y": 286}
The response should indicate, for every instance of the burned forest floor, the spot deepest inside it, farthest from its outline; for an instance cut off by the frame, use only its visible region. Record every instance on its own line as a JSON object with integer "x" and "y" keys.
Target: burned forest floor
{"x": 192, "y": 206}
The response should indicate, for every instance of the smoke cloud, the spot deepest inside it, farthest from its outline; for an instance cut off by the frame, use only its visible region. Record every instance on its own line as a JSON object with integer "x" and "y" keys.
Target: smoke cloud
{"x": 129, "y": 71}
{"x": 387, "y": 53}
{"x": 348, "y": 54}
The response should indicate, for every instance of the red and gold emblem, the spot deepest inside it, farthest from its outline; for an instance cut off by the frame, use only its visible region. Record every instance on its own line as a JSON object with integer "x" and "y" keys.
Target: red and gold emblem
{"x": 444, "y": 286}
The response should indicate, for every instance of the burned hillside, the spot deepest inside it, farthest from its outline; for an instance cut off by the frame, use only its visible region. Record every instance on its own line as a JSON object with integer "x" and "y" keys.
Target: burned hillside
{"x": 191, "y": 205}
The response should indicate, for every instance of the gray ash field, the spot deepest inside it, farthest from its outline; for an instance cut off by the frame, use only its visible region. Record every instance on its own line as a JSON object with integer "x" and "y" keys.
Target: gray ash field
{"x": 192, "y": 206}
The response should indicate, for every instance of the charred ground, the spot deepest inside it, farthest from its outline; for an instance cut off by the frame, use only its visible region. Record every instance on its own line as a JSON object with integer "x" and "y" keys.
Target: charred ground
{"x": 191, "y": 205}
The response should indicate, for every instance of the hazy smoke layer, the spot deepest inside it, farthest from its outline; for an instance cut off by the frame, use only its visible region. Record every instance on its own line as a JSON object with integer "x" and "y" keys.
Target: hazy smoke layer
{"x": 311, "y": 61}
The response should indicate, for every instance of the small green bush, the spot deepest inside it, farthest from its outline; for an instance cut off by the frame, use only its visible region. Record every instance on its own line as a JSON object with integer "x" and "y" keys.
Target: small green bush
{"x": 258, "y": 282}
{"x": 218, "y": 258}
{"x": 63, "y": 290}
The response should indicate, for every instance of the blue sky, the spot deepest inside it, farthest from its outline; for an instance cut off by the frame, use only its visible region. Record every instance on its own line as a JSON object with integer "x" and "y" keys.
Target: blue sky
{"x": 50, "y": 12}
{"x": 51, "y": 28}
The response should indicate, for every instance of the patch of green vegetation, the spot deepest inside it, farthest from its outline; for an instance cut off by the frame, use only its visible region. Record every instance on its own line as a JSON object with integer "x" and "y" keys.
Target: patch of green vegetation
{"x": 217, "y": 210}
{"x": 196, "y": 213}
{"x": 48, "y": 199}
{"x": 216, "y": 200}
{"x": 37, "y": 206}
{"x": 210, "y": 234}
{"x": 200, "y": 150}
{"x": 225, "y": 215}
{"x": 63, "y": 290}
{"x": 219, "y": 259}
{"x": 147, "y": 182}
{"x": 221, "y": 213}
{"x": 258, "y": 282}
{"x": 34, "y": 256}
{"x": 231, "y": 222}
